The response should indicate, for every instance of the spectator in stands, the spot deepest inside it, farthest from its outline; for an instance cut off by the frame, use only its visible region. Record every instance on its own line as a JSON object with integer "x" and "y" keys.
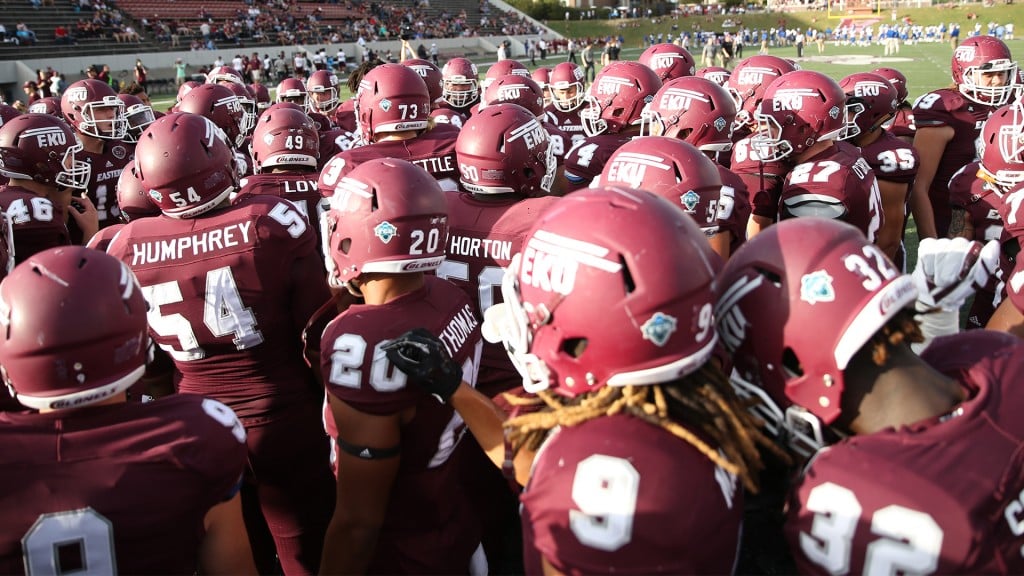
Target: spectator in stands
{"x": 61, "y": 35}
{"x": 24, "y": 34}
{"x": 179, "y": 72}
{"x": 32, "y": 92}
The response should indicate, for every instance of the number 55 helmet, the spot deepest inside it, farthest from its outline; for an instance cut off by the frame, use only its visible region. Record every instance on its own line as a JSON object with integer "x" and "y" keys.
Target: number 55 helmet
{"x": 387, "y": 215}
{"x": 50, "y": 363}
{"x": 595, "y": 300}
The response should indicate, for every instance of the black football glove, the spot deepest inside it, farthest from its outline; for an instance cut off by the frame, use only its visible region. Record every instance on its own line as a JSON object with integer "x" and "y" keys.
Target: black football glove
{"x": 423, "y": 358}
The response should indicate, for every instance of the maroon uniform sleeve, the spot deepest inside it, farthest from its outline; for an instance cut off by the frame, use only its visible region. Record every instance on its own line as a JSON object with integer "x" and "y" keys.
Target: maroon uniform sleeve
{"x": 102, "y": 187}
{"x": 733, "y": 207}
{"x": 35, "y": 222}
{"x": 840, "y": 187}
{"x": 936, "y": 108}
{"x": 586, "y": 159}
{"x": 892, "y": 159}
{"x": 616, "y": 495}
{"x": 762, "y": 179}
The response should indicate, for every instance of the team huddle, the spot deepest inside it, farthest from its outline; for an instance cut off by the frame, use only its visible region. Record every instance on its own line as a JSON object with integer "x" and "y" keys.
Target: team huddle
{"x": 660, "y": 323}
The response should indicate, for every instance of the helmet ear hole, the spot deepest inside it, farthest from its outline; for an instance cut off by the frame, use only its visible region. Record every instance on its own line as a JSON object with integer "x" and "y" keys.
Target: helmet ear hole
{"x": 627, "y": 276}
{"x": 791, "y": 362}
{"x": 346, "y": 245}
{"x": 574, "y": 347}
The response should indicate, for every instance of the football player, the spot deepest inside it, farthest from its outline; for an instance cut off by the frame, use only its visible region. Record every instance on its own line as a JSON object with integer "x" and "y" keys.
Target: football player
{"x": 567, "y": 86}
{"x": 853, "y": 393}
{"x": 400, "y": 507}
{"x": 611, "y": 116}
{"x": 627, "y": 396}
{"x": 902, "y": 124}
{"x": 517, "y": 89}
{"x": 668, "y": 61}
{"x": 460, "y": 91}
{"x": 699, "y": 112}
{"x": 94, "y": 111}
{"x": 542, "y": 76}
{"x": 138, "y": 116}
{"x": 800, "y": 118}
{"x": 219, "y": 103}
{"x": 875, "y": 101}
{"x": 92, "y": 481}
{"x": 230, "y": 289}
{"x": 40, "y": 159}
{"x": 393, "y": 107}
{"x": 949, "y": 121}
{"x": 133, "y": 200}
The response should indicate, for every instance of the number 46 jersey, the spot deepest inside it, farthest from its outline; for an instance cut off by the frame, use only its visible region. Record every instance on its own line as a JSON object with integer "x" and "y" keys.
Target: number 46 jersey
{"x": 942, "y": 496}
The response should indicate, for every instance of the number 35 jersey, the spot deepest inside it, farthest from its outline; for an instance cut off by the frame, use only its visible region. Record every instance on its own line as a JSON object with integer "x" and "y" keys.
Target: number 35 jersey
{"x": 617, "y": 495}
{"x": 229, "y": 294}
{"x": 943, "y": 496}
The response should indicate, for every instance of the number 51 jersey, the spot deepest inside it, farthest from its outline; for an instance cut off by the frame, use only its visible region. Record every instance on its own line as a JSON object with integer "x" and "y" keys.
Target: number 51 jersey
{"x": 230, "y": 293}
{"x": 942, "y": 496}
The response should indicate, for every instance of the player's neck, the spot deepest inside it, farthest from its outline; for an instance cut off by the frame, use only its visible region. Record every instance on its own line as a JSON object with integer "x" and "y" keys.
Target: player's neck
{"x": 36, "y": 188}
{"x": 904, "y": 391}
{"x": 91, "y": 144}
{"x": 812, "y": 151}
{"x": 403, "y": 135}
{"x": 380, "y": 289}
{"x": 867, "y": 138}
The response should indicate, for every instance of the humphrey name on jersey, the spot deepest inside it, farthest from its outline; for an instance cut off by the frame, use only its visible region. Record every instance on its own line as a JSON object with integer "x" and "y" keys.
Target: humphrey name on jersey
{"x": 194, "y": 245}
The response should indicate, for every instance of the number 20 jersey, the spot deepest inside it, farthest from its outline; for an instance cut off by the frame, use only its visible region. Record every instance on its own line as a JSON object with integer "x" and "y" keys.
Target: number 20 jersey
{"x": 230, "y": 293}
{"x": 943, "y": 496}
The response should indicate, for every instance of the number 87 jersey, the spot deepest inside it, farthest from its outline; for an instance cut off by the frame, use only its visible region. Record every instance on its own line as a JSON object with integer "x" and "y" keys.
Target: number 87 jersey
{"x": 941, "y": 496}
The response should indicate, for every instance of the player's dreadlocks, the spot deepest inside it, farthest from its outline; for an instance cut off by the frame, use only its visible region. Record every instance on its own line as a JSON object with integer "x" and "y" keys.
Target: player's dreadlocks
{"x": 703, "y": 401}
{"x": 901, "y": 328}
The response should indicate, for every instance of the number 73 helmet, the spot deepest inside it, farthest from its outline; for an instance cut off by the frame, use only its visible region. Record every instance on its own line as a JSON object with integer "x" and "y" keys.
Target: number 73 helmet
{"x": 392, "y": 98}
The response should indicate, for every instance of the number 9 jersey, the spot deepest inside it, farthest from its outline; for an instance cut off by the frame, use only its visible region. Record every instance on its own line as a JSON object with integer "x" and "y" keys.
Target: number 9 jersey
{"x": 942, "y": 496}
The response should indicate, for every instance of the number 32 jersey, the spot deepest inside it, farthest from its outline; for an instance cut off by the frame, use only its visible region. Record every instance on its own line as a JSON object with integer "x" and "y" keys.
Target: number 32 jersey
{"x": 943, "y": 496}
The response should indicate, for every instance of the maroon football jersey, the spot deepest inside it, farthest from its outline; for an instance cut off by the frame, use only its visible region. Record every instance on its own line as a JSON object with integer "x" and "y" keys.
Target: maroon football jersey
{"x": 334, "y": 141}
{"x": 902, "y": 124}
{"x": 115, "y": 489}
{"x": 616, "y": 495}
{"x": 942, "y": 496}
{"x": 763, "y": 179}
{"x": 836, "y": 183}
{"x": 946, "y": 107}
{"x": 733, "y": 207}
{"x": 230, "y": 293}
{"x": 558, "y": 141}
{"x": 586, "y": 159}
{"x": 483, "y": 235}
{"x": 567, "y": 122}
{"x": 982, "y": 202}
{"x": 102, "y": 239}
{"x": 300, "y": 189}
{"x": 449, "y": 116}
{"x": 36, "y": 223}
{"x": 894, "y": 160}
{"x": 428, "y": 527}
{"x": 102, "y": 186}
{"x": 433, "y": 150}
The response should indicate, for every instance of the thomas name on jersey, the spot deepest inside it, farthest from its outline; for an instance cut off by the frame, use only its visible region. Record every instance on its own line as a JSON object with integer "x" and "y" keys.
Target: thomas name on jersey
{"x": 458, "y": 330}
{"x": 192, "y": 246}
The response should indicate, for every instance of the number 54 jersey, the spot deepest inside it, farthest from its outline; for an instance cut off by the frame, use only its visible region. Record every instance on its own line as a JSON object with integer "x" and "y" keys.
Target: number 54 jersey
{"x": 942, "y": 496}
{"x": 230, "y": 293}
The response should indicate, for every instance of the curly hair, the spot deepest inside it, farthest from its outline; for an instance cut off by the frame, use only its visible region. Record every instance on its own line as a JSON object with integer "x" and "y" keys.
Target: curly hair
{"x": 902, "y": 328}
{"x": 698, "y": 406}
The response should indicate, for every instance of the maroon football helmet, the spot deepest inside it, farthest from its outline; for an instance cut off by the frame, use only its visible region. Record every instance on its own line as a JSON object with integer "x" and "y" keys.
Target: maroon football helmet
{"x": 618, "y": 96}
{"x": 897, "y": 79}
{"x": 1001, "y": 147}
{"x": 748, "y": 81}
{"x": 716, "y": 74}
{"x": 793, "y": 307}
{"x": 391, "y": 98}
{"x": 515, "y": 89}
{"x": 42, "y": 148}
{"x": 261, "y": 94}
{"x": 673, "y": 169}
{"x": 983, "y": 55}
{"x": 220, "y": 105}
{"x": 503, "y": 68}
{"x": 248, "y": 102}
{"x": 224, "y": 75}
{"x": 48, "y": 105}
{"x": 798, "y": 109}
{"x": 668, "y": 61}
{"x": 387, "y": 215}
{"x": 431, "y": 77}
{"x": 50, "y": 363}
{"x": 503, "y": 149}
{"x": 461, "y": 83}
{"x": 692, "y": 109}
{"x": 566, "y": 84}
{"x": 184, "y": 89}
{"x": 542, "y": 76}
{"x": 185, "y": 165}
{"x": 92, "y": 108}
{"x": 322, "y": 88}
{"x": 293, "y": 90}
{"x": 284, "y": 137}
{"x": 132, "y": 198}
{"x": 137, "y": 114}
{"x": 595, "y": 300}
{"x": 870, "y": 101}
